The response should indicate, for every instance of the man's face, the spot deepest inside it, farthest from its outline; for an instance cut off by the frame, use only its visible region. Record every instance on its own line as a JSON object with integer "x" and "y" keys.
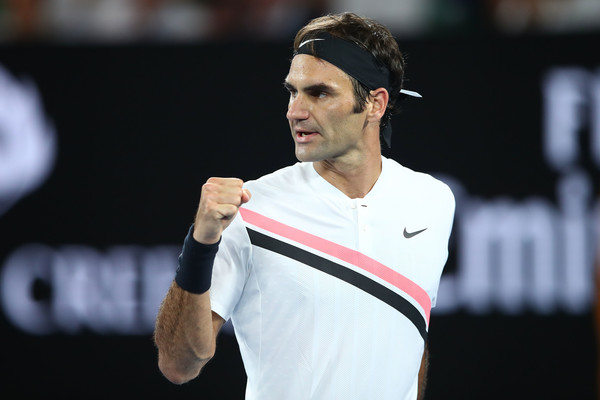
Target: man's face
{"x": 321, "y": 112}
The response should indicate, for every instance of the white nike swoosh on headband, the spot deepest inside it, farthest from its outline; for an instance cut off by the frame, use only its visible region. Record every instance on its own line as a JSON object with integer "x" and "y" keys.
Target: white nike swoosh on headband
{"x": 410, "y": 93}
{"x": 308, "y": 41}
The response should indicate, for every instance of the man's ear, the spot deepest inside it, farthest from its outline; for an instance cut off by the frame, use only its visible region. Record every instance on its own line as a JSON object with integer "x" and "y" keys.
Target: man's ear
{"x": 379, "y": 99}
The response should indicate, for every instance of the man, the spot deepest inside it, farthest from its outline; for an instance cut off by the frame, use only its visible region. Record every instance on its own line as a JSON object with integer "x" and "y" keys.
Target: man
{"x": 328, "y": 268}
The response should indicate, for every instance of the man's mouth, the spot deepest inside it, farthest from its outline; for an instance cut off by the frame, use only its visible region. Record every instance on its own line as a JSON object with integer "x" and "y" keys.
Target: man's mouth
{"x": 303, "y": 132}
{"x": 304, "y": 136}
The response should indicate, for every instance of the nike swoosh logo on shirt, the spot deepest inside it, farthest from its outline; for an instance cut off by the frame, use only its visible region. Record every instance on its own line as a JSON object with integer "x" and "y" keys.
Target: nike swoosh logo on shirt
{"x": 408, "y": 235}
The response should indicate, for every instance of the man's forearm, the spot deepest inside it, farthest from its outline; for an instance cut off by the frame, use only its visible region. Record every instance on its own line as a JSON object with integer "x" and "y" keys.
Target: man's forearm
{"x": 184, "y": 334}
{"x": 423, "y": 373}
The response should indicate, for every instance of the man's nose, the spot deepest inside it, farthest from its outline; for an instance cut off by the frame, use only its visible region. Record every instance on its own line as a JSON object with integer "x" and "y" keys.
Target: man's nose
{"x": 297, "y": 108}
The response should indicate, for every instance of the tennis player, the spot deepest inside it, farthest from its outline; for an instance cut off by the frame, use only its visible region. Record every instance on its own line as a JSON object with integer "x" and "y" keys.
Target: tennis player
{"x": 328, "y": 268}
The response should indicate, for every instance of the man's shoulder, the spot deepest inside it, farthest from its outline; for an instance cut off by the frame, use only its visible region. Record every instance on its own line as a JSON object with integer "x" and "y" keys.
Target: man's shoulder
{"x": 418, "y": 182}
{"x": 284, "y": 177}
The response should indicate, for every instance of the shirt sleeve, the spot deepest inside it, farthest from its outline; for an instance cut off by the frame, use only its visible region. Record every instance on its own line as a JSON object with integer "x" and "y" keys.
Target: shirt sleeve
{"x": 231, "y": 268}
{"x": 445, "y": 220}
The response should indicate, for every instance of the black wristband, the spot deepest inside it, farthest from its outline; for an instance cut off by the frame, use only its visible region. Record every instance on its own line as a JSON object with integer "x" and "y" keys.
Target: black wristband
{"x": 196, "y": 260}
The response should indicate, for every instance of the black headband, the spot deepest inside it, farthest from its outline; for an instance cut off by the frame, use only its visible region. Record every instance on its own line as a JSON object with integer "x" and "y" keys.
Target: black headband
{"x": 356, "y": 62}
{"x": 350, "y": 58}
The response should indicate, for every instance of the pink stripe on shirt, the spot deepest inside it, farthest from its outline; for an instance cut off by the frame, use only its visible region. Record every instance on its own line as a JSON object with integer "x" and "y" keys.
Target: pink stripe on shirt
{"x": 343, "y": 253}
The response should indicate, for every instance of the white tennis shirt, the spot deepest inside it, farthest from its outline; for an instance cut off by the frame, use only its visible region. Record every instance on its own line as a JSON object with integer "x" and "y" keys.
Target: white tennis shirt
{"x": 330, "y": 296}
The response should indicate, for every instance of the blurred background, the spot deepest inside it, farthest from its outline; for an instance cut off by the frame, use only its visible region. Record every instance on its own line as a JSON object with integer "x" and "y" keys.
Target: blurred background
{"x": 114, "y": 112}
{"x": 118, "y": 21}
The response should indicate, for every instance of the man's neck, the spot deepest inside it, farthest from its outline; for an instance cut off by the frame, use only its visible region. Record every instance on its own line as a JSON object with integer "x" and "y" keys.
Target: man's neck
{"x": 354, "y": 179}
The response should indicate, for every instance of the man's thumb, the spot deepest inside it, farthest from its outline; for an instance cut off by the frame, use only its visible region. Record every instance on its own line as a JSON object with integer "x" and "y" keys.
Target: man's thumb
{"x": 246, "y": 196}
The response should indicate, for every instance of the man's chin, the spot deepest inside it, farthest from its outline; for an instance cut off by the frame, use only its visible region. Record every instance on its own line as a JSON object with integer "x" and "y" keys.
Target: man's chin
{"x": 305, "y": 156}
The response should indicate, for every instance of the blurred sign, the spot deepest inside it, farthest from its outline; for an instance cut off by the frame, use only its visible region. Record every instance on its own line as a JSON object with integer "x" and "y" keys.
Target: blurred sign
{"x": 27, "y": 140}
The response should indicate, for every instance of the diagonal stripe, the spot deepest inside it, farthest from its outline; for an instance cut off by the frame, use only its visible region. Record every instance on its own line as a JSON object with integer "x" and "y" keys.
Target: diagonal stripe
{"x": 343, "y": 253}
{"x": 350, "y": 276}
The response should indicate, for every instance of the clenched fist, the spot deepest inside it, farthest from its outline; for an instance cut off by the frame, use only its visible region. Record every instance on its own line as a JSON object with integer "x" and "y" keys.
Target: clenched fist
{"x": 219, "y": 203}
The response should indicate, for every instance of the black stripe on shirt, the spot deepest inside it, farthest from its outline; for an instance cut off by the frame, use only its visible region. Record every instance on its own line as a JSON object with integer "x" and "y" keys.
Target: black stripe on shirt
{"x": 347, "y": 275}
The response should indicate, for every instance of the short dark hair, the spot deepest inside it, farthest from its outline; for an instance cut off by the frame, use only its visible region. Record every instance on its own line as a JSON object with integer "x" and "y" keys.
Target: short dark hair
{"x": 371, "y": 36}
